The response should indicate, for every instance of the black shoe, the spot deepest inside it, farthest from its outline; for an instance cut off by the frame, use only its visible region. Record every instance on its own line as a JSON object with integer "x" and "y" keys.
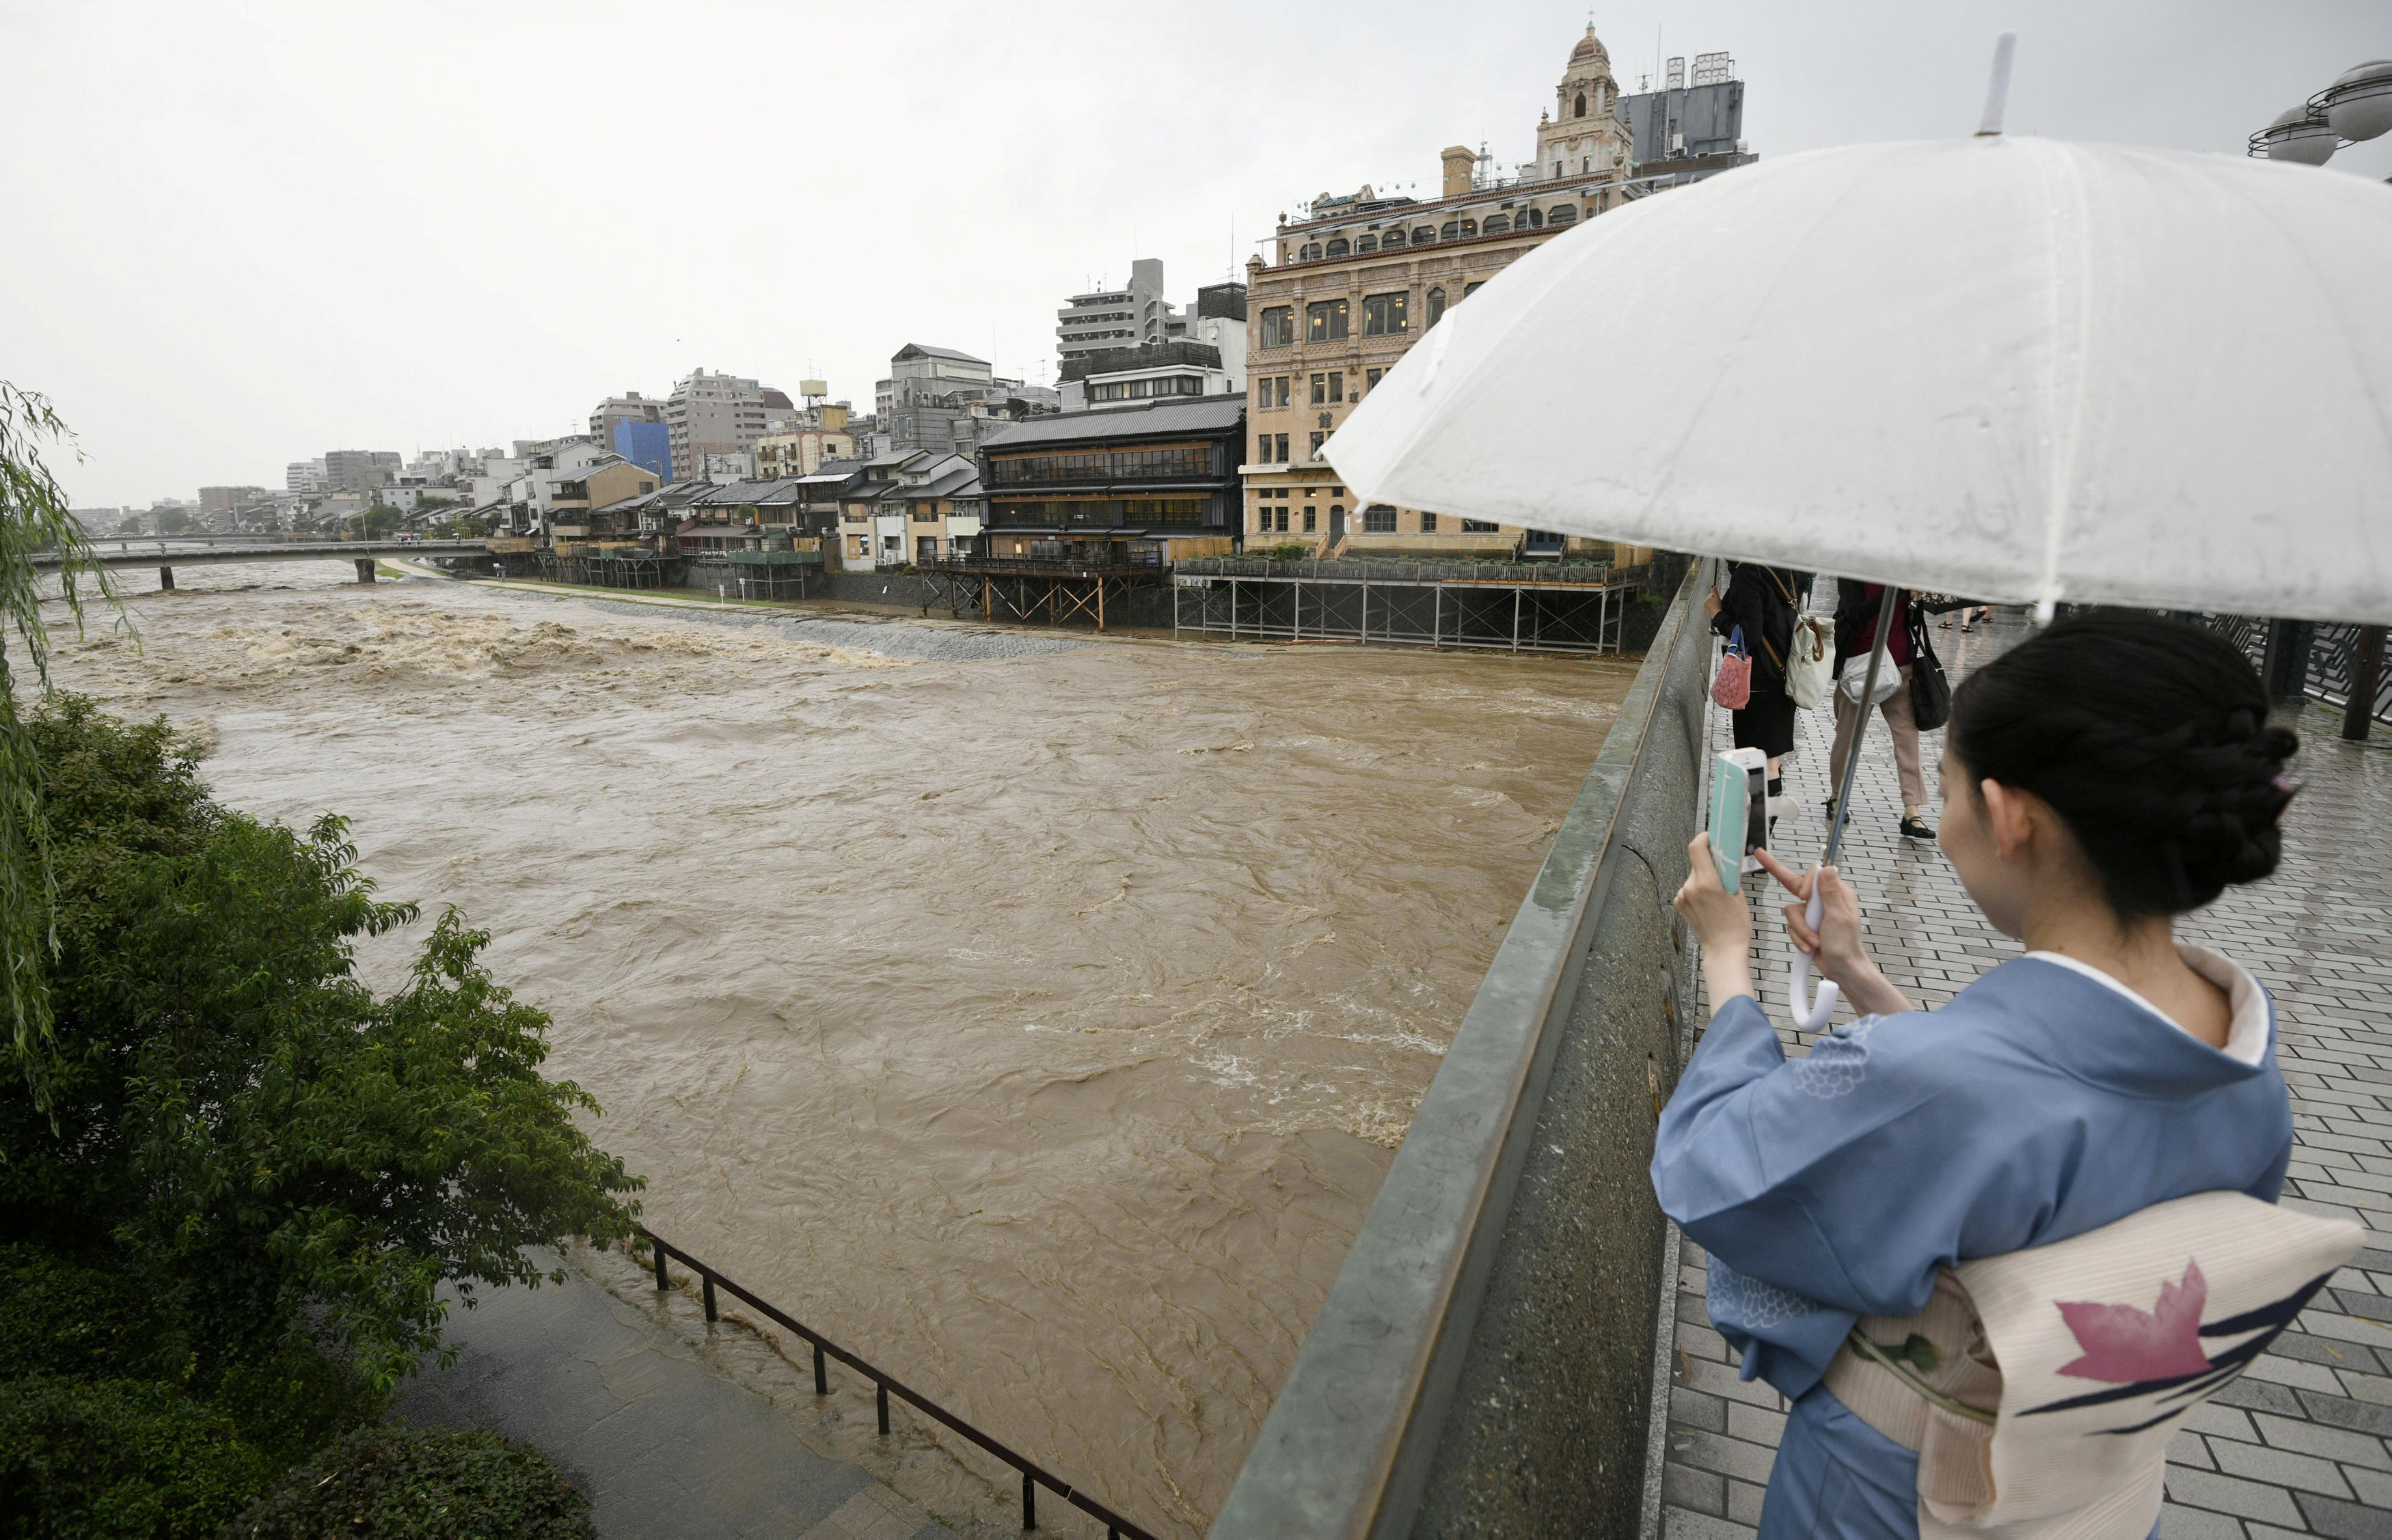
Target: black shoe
{"x": 1916, "y": 828}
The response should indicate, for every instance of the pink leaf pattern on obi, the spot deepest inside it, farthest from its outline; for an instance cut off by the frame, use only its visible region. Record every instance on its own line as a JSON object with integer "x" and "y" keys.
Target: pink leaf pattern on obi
{"x": 2123, "y": 1345}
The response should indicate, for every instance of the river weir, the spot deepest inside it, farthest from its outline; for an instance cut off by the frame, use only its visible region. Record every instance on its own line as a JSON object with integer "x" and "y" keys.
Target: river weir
{"x": 1036, "y": 1014}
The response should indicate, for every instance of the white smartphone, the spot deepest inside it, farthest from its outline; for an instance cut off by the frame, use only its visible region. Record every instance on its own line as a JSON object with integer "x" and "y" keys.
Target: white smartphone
{"x": 1739, "y": 810}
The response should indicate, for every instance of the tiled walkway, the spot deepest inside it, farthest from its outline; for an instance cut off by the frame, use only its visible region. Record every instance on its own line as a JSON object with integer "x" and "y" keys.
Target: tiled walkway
{"x": 2298, "y": 1444}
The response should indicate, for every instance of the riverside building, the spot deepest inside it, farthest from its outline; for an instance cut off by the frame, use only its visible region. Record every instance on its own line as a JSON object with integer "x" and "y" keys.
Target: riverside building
{"x": 1353, "y": 283}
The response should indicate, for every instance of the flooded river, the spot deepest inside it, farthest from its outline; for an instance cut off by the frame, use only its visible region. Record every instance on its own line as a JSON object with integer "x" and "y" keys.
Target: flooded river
{"x": 1040, "y": 1026}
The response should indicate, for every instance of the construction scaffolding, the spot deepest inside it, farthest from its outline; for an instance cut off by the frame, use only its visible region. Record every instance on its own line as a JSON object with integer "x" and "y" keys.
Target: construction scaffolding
{"x": 1055, "y": 590}
{"x": 759, "y": 574}
{"x": 628, "y": 567}
{"x": 1543, "y": 607}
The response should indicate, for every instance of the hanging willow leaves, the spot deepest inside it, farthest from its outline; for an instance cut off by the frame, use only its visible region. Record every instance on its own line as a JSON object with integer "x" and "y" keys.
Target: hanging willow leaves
{"x": 37, "y": 537}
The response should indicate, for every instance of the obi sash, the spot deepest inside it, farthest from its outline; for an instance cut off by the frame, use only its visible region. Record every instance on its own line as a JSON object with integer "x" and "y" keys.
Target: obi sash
{"x": 2040, "y": 1389}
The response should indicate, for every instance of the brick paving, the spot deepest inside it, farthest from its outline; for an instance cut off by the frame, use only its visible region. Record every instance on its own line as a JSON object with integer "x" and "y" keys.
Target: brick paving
{"x": 2298, "y": 1445}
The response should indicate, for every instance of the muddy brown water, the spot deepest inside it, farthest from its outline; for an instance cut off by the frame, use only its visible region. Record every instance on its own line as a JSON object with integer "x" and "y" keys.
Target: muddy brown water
{"x": 1040, "y": 1027}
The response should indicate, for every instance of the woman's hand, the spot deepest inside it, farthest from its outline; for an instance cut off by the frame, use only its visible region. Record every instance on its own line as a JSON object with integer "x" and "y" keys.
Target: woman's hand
{"x": 1835, "y": 947}
{"x": 1722, "y": 922}
{"x": 1710, "y": 601}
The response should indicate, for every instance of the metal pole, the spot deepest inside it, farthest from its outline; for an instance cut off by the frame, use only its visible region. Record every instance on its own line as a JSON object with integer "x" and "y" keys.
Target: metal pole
{"x": 663, "y": 1283}
{"x": 1366, "y": 612}
{"x": 2366, "y": 673}
{"x": 710, "y": 1312}
{"x": 1860, "y": 727}
{"x": 821, "y": 1373}
{"x": 1515, "y": 619}
{"x": 1436, "y": 618}
{"x": 1029, "y": 1502}
{"x": 884, "y": 1409}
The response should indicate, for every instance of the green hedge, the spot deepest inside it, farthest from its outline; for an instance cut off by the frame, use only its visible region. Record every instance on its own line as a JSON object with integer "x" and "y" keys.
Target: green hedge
{"x": 112, "y": 1457}
{"x": 433, "y": 1482}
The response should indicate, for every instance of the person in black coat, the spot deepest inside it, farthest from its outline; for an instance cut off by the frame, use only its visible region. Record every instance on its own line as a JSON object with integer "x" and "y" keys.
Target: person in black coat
{"x": 1764, "y": 600}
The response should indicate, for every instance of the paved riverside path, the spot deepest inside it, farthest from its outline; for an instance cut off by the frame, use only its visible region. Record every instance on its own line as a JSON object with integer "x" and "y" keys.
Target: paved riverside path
{"x": 2298, "y": 1443}
{"x": 663, "y": 1444}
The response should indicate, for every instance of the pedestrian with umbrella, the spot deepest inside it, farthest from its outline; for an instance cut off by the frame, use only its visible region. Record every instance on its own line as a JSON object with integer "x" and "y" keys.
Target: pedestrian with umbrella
{"x": 2031, "y": 372}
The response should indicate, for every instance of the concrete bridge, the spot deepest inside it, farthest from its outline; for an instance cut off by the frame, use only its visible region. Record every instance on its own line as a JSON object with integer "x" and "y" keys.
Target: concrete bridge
{"x": 169, "y": 552}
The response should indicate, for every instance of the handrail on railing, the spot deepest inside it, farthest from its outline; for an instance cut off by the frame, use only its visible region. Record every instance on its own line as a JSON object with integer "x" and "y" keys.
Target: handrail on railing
{"x": 1033, "y": 1475}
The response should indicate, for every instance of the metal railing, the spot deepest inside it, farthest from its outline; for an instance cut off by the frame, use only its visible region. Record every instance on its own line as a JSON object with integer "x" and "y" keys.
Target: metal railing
{"x": 1033, "y": 1476}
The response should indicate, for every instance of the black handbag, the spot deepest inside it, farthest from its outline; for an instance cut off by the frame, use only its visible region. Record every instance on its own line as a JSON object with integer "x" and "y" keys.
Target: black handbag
{"x": 1930, "y": 692}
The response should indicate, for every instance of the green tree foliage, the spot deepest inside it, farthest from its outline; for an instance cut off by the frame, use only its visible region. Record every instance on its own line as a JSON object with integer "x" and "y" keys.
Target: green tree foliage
{"x": 376, "y": 522}
{"x": 33, "y": 519}
{"x": 174, "y": 521}
{"x": 275, "y": 1159}
{"x": 402, "y": 1483}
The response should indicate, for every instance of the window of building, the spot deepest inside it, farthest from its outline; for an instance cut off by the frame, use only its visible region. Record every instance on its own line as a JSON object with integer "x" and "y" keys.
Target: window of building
{"x": 926, "y": 548}
{"x": 1366, "y": 243}
{"x": 1469, "y": 229}
{"x": 1282, "y": 521}
{"x": 1581, "y": 106}
{"x": 1378, "y": 519}
{"x": 1428, "y": 524}
{"x": 1435, "y": 305}
{"x": 1371, "y": 378}
{"x": 1478, "y": 526}
{"x": 1449, "y": 231}
{"x": 1319, "y": 389}
{"x": 1262, "y": 391}
{"x": 1382, "y": 314}
{"x": 1562, "y": 215}
{"x": 1337, "y": 385}
{"x": 1307, "y": 520}
{"x": 1280, "y": 494}
{"x": 1281, "y": 440}
{"x": 1586, "y": 163}
{"x": 1558, "y": 168}
{"x": 1283, "y": 396}
{"x": 1423, "y": 236}
{"x": 1498, "y": 224}
{"x": 1339, "y": 247}
{"x": 1311, "y": 253}
{"x": 1317, "y": 440}
{"x": 1325, "y": 321}
{"x": 1470, "y": 288}
{"x": 1535, "y": 218}
{"x": 1278, "y": 326}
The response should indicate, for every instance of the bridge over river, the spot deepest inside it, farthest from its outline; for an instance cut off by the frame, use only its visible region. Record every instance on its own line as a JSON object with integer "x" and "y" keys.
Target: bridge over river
{"x": 166, "y": 554}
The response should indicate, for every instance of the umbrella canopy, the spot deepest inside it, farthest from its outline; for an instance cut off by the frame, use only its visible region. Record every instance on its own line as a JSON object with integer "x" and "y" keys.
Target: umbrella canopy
{"x": 2017, "y": 370}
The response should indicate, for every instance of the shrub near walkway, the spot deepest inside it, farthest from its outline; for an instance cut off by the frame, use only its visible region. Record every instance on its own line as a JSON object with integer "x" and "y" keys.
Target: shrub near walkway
{"x": 233, "y": 1178}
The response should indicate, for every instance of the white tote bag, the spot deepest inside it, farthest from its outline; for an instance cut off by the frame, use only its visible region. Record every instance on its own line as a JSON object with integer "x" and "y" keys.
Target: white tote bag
{"x": 1810, "y": 663}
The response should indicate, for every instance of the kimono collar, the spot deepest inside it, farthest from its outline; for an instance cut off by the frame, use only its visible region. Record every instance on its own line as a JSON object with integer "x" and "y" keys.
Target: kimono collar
{"x": 2246, "y": 1037}
{"x": 2083, "y": 1022}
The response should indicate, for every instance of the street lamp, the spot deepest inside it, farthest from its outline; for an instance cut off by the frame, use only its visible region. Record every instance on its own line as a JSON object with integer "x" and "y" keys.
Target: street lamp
{"x": 2356, "y": 106}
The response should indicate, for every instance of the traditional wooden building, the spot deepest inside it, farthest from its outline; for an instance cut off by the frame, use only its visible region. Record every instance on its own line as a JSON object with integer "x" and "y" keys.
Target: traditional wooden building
{"x": 1155, "y": 483}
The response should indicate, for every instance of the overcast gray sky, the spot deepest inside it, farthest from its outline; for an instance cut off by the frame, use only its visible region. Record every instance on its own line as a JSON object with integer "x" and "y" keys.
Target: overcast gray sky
{"x": 243, "y": 234}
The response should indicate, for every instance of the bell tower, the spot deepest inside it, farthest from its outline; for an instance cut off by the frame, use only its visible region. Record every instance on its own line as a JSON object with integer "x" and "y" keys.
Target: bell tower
{"x": 1583, "y": 135}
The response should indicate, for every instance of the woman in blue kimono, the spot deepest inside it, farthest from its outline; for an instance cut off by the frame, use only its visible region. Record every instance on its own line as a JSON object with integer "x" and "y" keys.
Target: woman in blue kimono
{"x": 2105, "y": 775}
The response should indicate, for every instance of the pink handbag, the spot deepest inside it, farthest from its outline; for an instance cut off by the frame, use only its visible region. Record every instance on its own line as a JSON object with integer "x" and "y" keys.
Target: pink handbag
{"x": 1732, "y": 686}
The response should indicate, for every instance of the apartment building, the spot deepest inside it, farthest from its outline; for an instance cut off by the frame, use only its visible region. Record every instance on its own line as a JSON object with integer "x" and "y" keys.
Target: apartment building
{"x": 633, "y": 426}
{"x": 358, "y": 470}
{"x": 1353, "y": 284}
{"x": 798, "y": 445}
{"x": 719, "y": 414}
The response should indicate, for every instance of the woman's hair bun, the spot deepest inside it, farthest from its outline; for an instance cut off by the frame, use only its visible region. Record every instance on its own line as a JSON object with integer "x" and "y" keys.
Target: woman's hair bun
{"x": 2150, "y": 738}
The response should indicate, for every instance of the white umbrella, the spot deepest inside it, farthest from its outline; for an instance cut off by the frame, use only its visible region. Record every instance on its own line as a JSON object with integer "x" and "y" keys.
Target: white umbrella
{"x": 2018, "y": 370}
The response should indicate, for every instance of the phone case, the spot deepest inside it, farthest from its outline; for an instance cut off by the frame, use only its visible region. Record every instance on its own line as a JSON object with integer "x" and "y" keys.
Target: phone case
{"x": 1740, "y": 822}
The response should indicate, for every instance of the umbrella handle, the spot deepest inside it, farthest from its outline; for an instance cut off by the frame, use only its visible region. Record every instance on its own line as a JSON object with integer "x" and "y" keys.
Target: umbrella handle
{"x": 1810, "y": 1014}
